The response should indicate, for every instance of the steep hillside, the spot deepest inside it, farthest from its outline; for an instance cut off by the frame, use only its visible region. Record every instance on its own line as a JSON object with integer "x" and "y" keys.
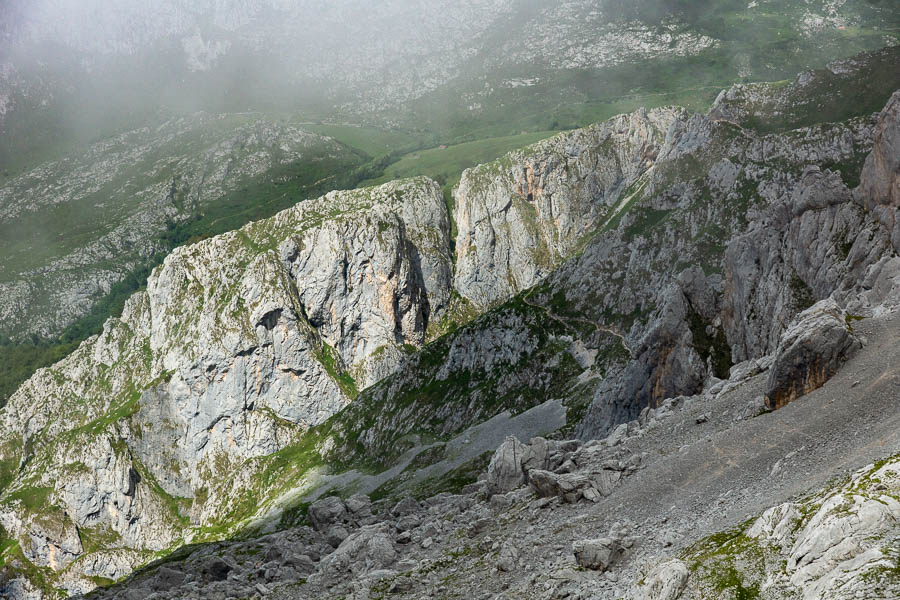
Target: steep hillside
{"x": 423, "y": 74}
{"x": 702, "y": 498}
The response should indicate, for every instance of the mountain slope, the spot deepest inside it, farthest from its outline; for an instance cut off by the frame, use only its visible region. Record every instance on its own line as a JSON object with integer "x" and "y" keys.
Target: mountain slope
{"x": 695, "y": 249}
{"x": 699, "y": 497}
{"x": 706, "y": 497}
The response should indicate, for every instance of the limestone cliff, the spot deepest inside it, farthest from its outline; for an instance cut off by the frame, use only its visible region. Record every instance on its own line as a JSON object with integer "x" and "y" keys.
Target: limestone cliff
{"x": 238, "y": 345}
{"x": 520, "y": 217}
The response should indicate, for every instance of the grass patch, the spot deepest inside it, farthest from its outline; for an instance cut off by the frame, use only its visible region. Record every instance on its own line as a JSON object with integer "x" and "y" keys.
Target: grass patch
{"x": 721, "y": 560}
{"x": 330, "y": 359}
{"x": 371, "y": 141}
{"x": 33, "y": 499}
{"x": 445, "y": 165}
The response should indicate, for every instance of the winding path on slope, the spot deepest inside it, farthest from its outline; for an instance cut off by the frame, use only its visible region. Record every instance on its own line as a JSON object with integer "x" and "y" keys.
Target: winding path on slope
{"x": 564, "y": 321}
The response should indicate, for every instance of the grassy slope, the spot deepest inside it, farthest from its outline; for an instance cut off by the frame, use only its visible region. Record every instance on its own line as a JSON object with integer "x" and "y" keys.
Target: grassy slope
{"x": 371, "y": 141}
{"x": 445, "y": 165}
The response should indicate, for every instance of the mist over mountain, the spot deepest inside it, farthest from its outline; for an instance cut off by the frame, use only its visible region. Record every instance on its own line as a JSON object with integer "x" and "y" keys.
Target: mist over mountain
{"x": 82, "y": 69}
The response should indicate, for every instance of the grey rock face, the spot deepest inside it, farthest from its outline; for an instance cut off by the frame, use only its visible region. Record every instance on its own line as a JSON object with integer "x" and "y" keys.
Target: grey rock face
{"x": 505, "y": 469}
{"x": 519, "y": 218}
{"x": 799, "y": 238}
{"x": 810, "y": 352}
{"x": 238, "y": 345}
{"x": 879, "y": 189}
{"x": 880, "y": 179}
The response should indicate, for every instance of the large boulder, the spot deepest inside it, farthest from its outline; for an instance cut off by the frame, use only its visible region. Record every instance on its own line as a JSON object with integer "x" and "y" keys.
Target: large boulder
{"x": 538, "y": 455}
{"x": 505, "y": 472}
{"x": 371, "y": 548}
{"x": 326, "y": 512}
{"x": 359, "y": 505}
{"x": 665, "y": 582}
{"x": 570, "y": 487}
{"x": 597, "y": 554}
{"x": 812, "y": 349}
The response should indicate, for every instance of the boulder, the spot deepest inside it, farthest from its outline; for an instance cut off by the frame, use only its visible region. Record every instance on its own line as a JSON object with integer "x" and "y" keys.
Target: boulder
{"x": 544, "y": 483}
{"x": 665, "y": 582}
{"x": 597, "y": 554}
{"x": 406, "y": 506}
{"x": 508, "y": 558}
{"x": 505, "y": 469}
{"x": 325, "y": 512}
{"x": 215, "y": 569}
{"x": 809, "y": 353}
{"x": 168, "y": 579}
{"x": 571, "y": 487}
{"x": 537, "y": 455}
{"x": 359, "y": 505}
{"x": 301, "y": 563}
{"x": 369, "y": 549}
{"x": 336, "y": 534}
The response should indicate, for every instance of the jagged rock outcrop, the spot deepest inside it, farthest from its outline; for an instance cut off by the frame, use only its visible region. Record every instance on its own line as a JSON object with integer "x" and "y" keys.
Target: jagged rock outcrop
{"x": 518, "y": 218}
{"x": 879, "y": 189}
{"x": 239, "y": 344}
{"x": 812, "y": 349}
{"x": 840, "y": 543}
